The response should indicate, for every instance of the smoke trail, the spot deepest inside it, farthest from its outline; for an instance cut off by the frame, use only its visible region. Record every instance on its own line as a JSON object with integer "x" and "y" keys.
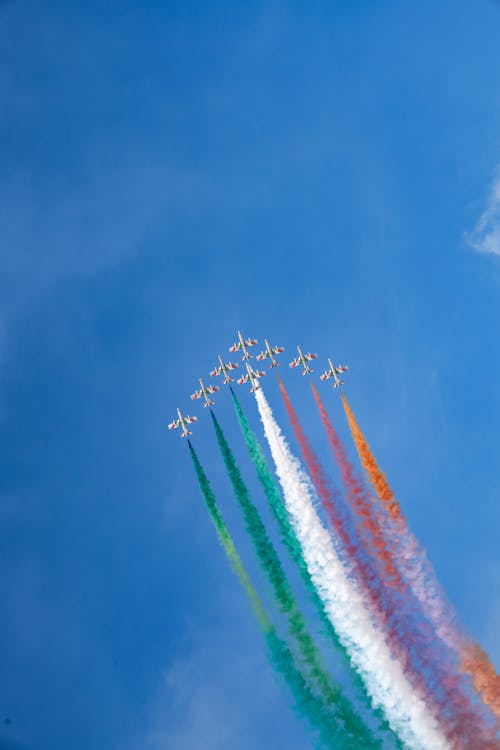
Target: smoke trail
{"x": 410, "y": 636}
{"x": 307, "y": 705}
{"x": 413, "y": 562}
{"x": 383, "y": 676}
{"x": 357, "y": 561}
{"x": 228, "y": 544}
{"x": 369, "y": 521}
{"x": 271, "y": 564}
{"x": 290, "y": 540}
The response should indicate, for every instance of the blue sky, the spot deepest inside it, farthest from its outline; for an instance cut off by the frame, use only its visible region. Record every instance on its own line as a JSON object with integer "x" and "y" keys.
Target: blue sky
{"x": 320, "y": 174}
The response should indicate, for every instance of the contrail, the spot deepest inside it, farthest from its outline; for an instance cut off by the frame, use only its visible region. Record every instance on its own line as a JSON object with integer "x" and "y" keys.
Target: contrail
{"x": 270, "y": 563}
{"x": 290, "y": 540}
{"x": 383, "y": 676}
{"x": 413, "y": 561}
{"x": 426, "y": 662}
{"x": 307, "y": 704}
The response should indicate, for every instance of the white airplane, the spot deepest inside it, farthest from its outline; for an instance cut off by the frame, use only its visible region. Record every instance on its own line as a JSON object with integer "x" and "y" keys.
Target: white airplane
{"x": 224, "y": 370}
{"x": 242, "y": 344}
{"x": 252, "y": 376}
{"x": 334, "y": 372}
{"x": 270, "y": 351}
{"x": 204, "y": 391}
{"x": 302, "y": 360}
{"x": 182, "y": 422}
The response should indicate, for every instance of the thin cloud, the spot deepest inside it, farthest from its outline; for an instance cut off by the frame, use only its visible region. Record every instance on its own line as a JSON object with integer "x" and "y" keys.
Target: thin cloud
{"x": 485, "y": 237}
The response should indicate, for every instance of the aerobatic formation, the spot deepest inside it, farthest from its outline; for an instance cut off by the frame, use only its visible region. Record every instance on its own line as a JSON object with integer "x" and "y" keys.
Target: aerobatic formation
{"x": 407, "y": 674}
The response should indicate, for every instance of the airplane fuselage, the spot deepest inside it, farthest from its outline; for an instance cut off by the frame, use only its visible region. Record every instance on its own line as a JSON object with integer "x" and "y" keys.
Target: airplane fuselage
{"x": 254, "y": 385}
{"x": 253, "y": 379}
{"x": 224, "y": 369}
{"x": 246, "y": 353}
{"x": 208, "y": 400}
{"x": 303, "y": 360}
{"x": 338, "y": 382}
{"x": 185, "y": 431}
{"x": 270, "y": 354}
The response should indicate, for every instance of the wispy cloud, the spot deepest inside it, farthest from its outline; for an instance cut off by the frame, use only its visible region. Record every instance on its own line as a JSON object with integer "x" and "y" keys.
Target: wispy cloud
{"x": 485, "y": 237}
{"x": 219, "y": 690}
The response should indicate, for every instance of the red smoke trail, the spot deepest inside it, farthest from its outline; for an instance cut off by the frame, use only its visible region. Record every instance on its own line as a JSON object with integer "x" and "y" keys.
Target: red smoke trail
{"x": 473, "y": 660}
{"x": 459, "y": 723}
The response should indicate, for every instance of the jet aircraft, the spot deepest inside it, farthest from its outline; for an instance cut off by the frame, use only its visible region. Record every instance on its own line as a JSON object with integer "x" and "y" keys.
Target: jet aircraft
{"x": 334, "y": 372}
{"x": 270, "y": 351}
{"x": 242, "y": 345}
{"x": 252, "y": 376}
{"x": 204, "y": 392}
{"x": 182, "y": 422}
{"x": 223, "y": 369}
{"x": 303, "y": 359}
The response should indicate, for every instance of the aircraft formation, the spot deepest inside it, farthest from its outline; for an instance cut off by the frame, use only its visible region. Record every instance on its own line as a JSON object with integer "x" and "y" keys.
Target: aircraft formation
{"x": 251, "y": 376}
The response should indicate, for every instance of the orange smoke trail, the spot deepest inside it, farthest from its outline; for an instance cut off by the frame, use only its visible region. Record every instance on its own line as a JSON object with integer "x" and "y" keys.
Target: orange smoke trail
{"x": 473, "y": 660}
{"x": 486, "y": 681}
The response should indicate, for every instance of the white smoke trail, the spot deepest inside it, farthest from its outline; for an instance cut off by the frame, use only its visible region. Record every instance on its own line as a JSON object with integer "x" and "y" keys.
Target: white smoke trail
{"x": 370, "y": 656}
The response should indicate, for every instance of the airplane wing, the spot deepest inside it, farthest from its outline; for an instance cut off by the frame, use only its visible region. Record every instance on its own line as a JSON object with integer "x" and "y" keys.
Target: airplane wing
{"x": 243, "y": 379}
{"x": 250, "y": 342}
{"x": 262, "y": 356}
{"x": 190, "y": 419}
{"x": 277, "y": 349}
{"x": 173, "y": 425}
{"x": 341, "y": 368}
{"x": 295, "y": 362}
{"x": 212, "y": 388}
{"x": 216, "y": 371}
{"x": 232, "y": 365}
{"x": 327, "y": 374}
{"x": 235, "y": 347}
{"x": 196, "y": 394}
{"x": 310, "y": 356}
{"x": 258, "y": 373}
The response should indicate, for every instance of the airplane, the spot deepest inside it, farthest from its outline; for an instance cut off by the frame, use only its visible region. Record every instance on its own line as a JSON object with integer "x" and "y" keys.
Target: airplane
{"x": 243, "y": 344}
{"x": 182, "y": 422}
{"x": 333, "y": 372}
{"x": 270, "y": 351}
{"x": 204, "y": 391}
{"x": 252, "y": 376}
{"x": 223, "y": 369}
{"x": 302, "y": 360}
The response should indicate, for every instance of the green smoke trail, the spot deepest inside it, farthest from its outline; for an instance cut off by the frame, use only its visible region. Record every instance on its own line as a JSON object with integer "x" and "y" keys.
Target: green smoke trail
{"x": 292, "y": 543}
{"x": 307, "y": 705}
{"x": 271, "y": 564}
